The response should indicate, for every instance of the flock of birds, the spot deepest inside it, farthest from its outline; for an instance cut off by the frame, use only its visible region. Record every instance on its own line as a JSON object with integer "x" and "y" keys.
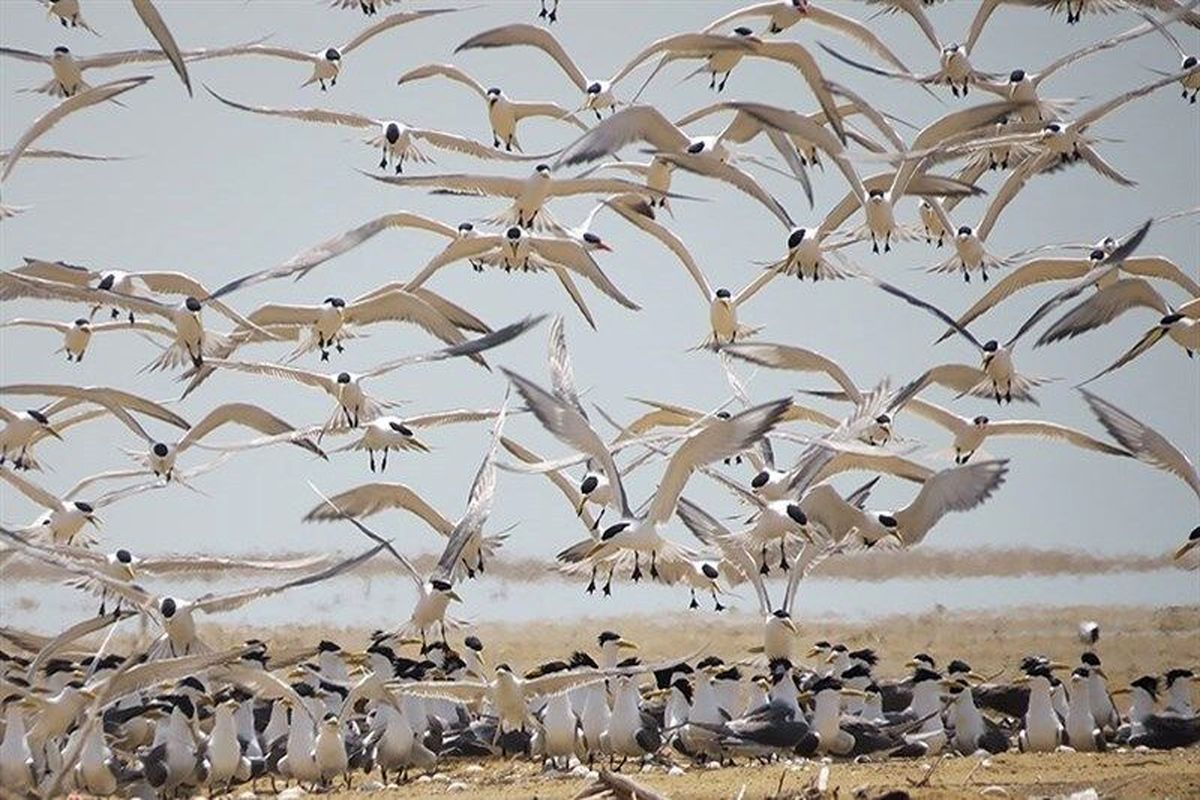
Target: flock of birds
{"x": 173, "y": 713}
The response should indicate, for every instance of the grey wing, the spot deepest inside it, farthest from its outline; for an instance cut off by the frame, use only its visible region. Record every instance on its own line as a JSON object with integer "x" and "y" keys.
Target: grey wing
{"x": 1103, "y": 307}
{"x": 634, "y": 124}
{"x": 958, "y": 489}
{"x": 1147, "y": 444}
{"x": 162, "y": 34}
{"x": 468, "y": 348}
{"x": 77, "y": 102}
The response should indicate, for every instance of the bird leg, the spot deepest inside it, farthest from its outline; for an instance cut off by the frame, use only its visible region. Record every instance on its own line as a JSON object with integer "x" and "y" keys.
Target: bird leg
{"x": 693, "y": 604}
{"x": 385, "y": 455}
{"x": 496, "y": 140}
{"x": 383, "y": 160}
{"x": 591, "y": 587}
{"x": 608, "y": 583}
{"x": 716, "y": 603}
{"x": 116, "y": 312}
{"x": 322, "y": 84}
{"x": 371, "y": 456}
{"x": 636, "y": 575}
{"x": 712, "y": 83}
{"x": 721, "y": 85}
{"x": 764, "y": 569}
{"x": 479, "y": 566}
{"x": 783, "y": 562}
{"x": 400, "y": 164}
{"x": 653, "y": 564}
{"x": 544, "y": 13}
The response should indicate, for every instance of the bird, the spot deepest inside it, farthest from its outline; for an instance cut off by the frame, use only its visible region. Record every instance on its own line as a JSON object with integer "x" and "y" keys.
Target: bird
{"x": 354, "y": 404}
{"x": 68, "y": 70}
{"x": 77, "y": 335}
{"x": 76, "y": 102}
{"x": 68, "y": 13}
{"x": 1075, "y": 10}
{"x": 970, "y": 434}
{"x": 64, "y": 518}
{"x": 157, "y": 26}
{"x": 995, "y": 376}
{"x": 388, "y": 432}
{"x": 398, "y": 141}
{"x": 529, "y": 194}
{"x": 327, "y": 63}
{"x": 639, "y": 534}
{"x": 707, "y": 156}
{"x": 1146, "y": 444}
{"x": 504, "y": 113}
{"x": 517, "y": 249}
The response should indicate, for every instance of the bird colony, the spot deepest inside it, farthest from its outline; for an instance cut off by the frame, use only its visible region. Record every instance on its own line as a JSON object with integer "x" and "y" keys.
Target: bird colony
{"x": 155, "y": 709}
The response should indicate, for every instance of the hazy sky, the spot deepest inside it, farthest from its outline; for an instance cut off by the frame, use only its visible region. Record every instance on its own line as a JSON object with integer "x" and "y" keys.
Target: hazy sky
{"x": 218, "y": 193}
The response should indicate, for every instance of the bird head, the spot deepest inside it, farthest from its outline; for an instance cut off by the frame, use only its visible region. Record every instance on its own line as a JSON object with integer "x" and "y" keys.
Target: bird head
{"x": 593, "y": 242}
{"x": 543, "y": 170}
{"x": 724, "y": 294}
{"x": 332, "y": 54}
{"x": 589, "y": 484}
{"x": 710, "y": 571}
{"x": 392, "y": 133}
{"x": 981, "y": 420}
{"x": 797, "y": 514}
{"x": 594, "y": 88}
{"x": 613, "y": 530}
{"x": 782, "y": 617}
{"x": 124, "y": 559}
{"x": 192, "y": 305}
{"x": 513, "y": 234}
{"x": 493, "y": 94}
{"x": 1193, "y": 541}
{"x": 1170, "y": 319}
{"x": 400, "y": 428}
{"x": 696, "y": 147}
{"x": 465, "y": 228}
{"x": 1188, "y": 63}
{"x": 965, "y": 231}
{"x": 743, "y": 31}
{"x": 336, "y": 302}
{"x": 888, "y": 521}
{"x": 796, "y": 237}
{"x": 1016, "y": 76}
{"x": 106, "y": 282}
{"x": 1148, "y": 684}
{"x": 343, "y": 378}
{"x": 168, "y": 607}
{"x": 991, "y": 346}
{"x": 159, "y": 449}
{"x": 760, "y": 480}
{"x": 63, "y": 50}
{"x": 875, "y": 196}
{"x": 1097, "y": 255}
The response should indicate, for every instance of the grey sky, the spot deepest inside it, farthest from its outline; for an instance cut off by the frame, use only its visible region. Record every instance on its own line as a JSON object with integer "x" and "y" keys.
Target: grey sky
{"x": 217, "y": 193}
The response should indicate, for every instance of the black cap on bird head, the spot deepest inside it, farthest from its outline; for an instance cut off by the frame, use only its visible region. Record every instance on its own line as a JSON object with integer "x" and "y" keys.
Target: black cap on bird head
{"x": 332, "y": 54}
{"x": 724, "y": 293}
{"x": 1017, "y": 75}
{"x": 865, "y": 655}
{"x": 797, "y": 514}
{"x": 965, "y": 230}
{"x": 542, "y": 168}
{"x": 958, "y": 666}
{"x": 923, "y": 674}
{"x": 1053, "y": 127}
{"x": 473, "y": 643}
{"x": 796, "y": 237}
{"x": 336, "y": 302}
{"x": 722, "y": 415}
{"x": 160, "y": 449}
{"x": 326, "y": 646}
{"x": 875, "y": 193}
{"x": 1097, "y": 255}
{"x": 760, "y": 480}
{"x": 888, "y": 521}
{"x": 343, "y": 377}
{"x": 991, "y": 346}
{"x": 710, "y": 571}
{"x": 38, "y": 416}
{"x": 62, "y": 49}
{"x": 924, "y": 658}
{"x": 1090, "y": 658}
{"x": 980, "y": 420}
{"x": 494, "y": 92}
{"x": 192, "y": 304}
{"x": 1188, "y": 62}
{"x": 589, "y": 484}
{"x": 464, "y": 227}
{"x": 684, "y": 688}
{"x": 743, "y": 31}
{"x": 608, "y": 636}
{"x": 1173, "y": 675}
{"x": 124, "y": 556}
{"x": 1148, "y": 684}
{"x": 1171, "y": 319}
{"x": 392, "y": 133}
{"x": 594, "y": 87}
{"x": 696, "y": 147}
{"x": 826, "y": 684}
{"x": 107, "y": 282}
{"x": 167, "y": 607}
{"x": 856, "y": 671}
{"x": 513, "y": 233}
{"x": 84, "y": 507}
{"x": 883, "y": 419}
{"x": 440, "y": 585}
{"x": 781, "y": 614}
{"x": 82, "y": 323}
{"x": 613, "y": 530}
{"x": 400, "y": 428}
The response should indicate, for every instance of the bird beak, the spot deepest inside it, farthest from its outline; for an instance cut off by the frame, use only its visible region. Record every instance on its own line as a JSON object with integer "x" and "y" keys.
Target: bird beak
{"x": 911, "y": 663}
{"x": 453, "y": 595}
{"x": 583, "y": 502}
{"x": 829, "y": 659}
{"x": 849, "y": 692}
{"x": 50, "y": 430}
{"x": 96, "y": 521}
{"x": 129, "y": 571}
{"x": 625, "y": 644}
{"x": 813, "y": 653}
{"x": 355, "y": 658}
{"x": 1059, "y": 665}
{"x": 1120, "y": 690}
{"x": 604, "y": 247}
{"x": 975, "y": 676}
{"x": 1100, "y": 672}
{"x": 1187, "y": 547}
{"x": 1021, "y": 679}
{"x": 791, "y": 626}
{"x": 806, "y": 696}
{"x": 408, "y": 640}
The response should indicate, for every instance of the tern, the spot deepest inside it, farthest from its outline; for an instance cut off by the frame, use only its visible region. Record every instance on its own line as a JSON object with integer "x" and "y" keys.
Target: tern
{"x": 76, "y": 102}
{"x": 529, "y": 194}
{"x": 68, "y": 14}
{"x": 707, "y": 156}
{"x": 1146, "y": 444}
{"x": 398, "y": 141}
{"x": 22, "y": 431}
{"x": 157, "y": 26}
{"x": 190, "y": 341}
{"x": 718, "y": 439}
{"x": 68, "y": 70}
{"x": 64, "y": 518}
{"x": 77, "y": 335}
{"x": 1075, "y": 10}
{"x": 389, "y": 433}
{"x": 504, "y": 113}
{"x": 744, "y": 44}
{"x": 354, "y": 404}
{"x": 1191, "y": 81}
{"x": 970, "y": 434}
{"x": 327, "y": 63}
{"x": 160, "y": 456}
{"x": 516, "y": 249}
{"x": 326, "y": 326}
{"x": 996, "y": 375}
{"x": 1080, "y": 730}
{"x": 1042, "y": 730}
{"x": 597, "y": 94}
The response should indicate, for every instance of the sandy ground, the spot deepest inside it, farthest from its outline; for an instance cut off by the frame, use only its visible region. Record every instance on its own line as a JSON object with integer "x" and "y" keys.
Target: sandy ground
{"x": 1134, "y": 641}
